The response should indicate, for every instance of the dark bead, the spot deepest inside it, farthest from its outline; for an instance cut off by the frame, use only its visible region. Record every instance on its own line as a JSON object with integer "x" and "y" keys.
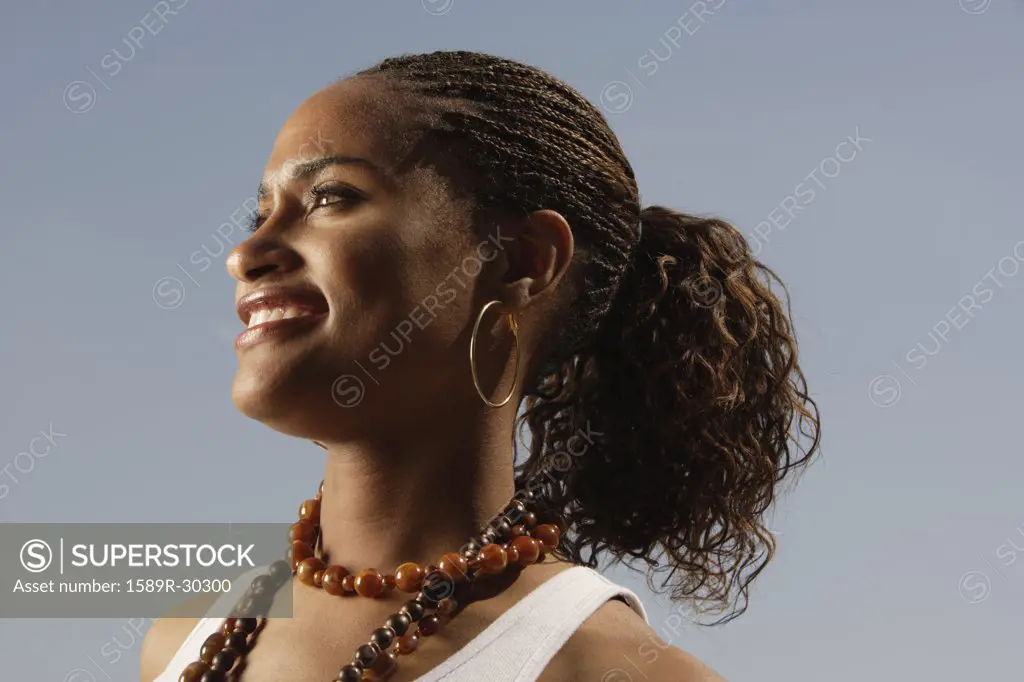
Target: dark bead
{"x": 399, "y": 623}
{"x": 350, "y": 673}
{"x": 280, "y": 571}
{"x": 213, "y": 676}
{"x": 245, "y": 625}
{"x": 263, "y": 584}
{"x": 237, "y": 641}
{"x": 224, "y": 660}
{"x": 367, "y": 654}
{"x": 382, "y": 637}
{"x": 503, "y": 528}
{"x": 414, "y": 610}
{"x": 529, "y": 519}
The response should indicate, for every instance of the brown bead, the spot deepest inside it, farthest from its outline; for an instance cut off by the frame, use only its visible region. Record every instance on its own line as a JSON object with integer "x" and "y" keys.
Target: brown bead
{"x": 447, "y": 607}
{"x": 528, "y": 549}
{"x": 519, "y": 530}
{"x": 213, "y": 676}
{"x": 212, "y": 646}
{"x": 307, "y": 569}
{"x": 389, "y": 581}
{"x": 456, "y": 566}
{"x": 493, "y": 559}
{"x": 547, "y": 534}
{"x": 369, "y": 583}
{"x": 229, "y": 625}
{"x": 429, "y": 625}
{"x": 320, "y": 490}
{"x": 407, "y": 644}
{"x": 331, "y": 582}
{"x": 318, "y": 578}
{"x": 310, "y": 510}
{"x": 193, "y": 672}
{"x": 299, "y": 552}
{"x": 409, "y": 577}
{"x": 529, "y": 519}
{"x": 302, "y": 531}
{"x": 512, "y": 553}
{"x": 348, "y": 583}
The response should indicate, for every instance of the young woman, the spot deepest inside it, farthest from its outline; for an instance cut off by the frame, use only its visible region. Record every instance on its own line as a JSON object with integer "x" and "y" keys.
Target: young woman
{"x": 442, "y": 239}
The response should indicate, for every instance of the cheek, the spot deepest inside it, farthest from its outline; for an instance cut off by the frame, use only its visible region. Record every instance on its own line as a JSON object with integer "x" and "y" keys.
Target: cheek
{"x": 410, "y": 282}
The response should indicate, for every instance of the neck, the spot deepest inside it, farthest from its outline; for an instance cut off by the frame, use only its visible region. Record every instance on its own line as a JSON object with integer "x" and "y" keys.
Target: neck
{"x": 415, "y": 494}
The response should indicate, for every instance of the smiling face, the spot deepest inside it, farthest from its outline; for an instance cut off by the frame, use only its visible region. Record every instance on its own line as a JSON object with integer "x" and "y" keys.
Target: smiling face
{"x": 354, "y": 285}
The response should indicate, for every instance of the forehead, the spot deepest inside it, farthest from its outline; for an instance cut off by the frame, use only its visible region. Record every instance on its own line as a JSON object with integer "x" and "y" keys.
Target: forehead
{"x": 354, "y": 117}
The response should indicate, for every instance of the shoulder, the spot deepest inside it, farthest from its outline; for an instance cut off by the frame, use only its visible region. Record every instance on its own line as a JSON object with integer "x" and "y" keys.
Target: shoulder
{"x": 616, "y": 645}
{"x": 167, "y": 634}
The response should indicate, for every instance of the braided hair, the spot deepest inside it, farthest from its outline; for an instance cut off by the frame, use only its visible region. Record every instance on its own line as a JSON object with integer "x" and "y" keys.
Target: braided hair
{"x": 669, "y": 406}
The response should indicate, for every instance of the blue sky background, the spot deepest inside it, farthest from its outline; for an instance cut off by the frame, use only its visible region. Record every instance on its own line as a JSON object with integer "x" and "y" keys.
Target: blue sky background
{"x": 893, "y": 560}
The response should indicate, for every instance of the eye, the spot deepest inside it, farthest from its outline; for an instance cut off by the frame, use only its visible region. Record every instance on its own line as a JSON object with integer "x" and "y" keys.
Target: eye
{"x": 334, "y": 195}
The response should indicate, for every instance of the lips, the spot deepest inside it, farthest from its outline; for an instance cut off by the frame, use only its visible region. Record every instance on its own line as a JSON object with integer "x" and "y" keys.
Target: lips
{"x": 275, "y": 310}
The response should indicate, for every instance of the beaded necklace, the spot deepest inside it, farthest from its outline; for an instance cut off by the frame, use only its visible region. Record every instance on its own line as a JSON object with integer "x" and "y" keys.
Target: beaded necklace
{"x": 513, "y": 537}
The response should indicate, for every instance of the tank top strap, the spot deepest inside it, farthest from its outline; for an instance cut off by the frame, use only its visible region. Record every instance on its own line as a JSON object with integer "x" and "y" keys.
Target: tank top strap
{"x": 523, "y": 640}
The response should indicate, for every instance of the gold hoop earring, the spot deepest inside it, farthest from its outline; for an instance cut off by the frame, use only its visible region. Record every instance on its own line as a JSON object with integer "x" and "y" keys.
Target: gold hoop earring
{"x": 512, "y": 325}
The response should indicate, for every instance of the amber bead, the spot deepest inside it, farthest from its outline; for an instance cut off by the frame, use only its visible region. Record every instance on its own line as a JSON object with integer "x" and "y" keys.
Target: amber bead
{"x": 493, "y": 559}
{"x": 318, "y": 578}
{"x": 332, "y": 580}
{"x": 547, "y": 534}
{"x": 529, "y": 519}
{"x": 389, "y": 581}
{"x": 302, "y": 531}
{"x": 310, "y": 510}
{"x": 307, "y": 569}
{"x": 447, "y": 607}
{"x": 455, "y": 565}
{"x": 299, "y": 552}
{"x": 407, "y": 644}
{"x": 429, "y": 625}
{"x": 229, "y": 625}
{"x": 409, "y": 577}
{"x": 369, "y": 583}
{"x": 512, "y": 554}
{"x": 348, "y": 583}
{"x": 320, "y": 491}
{"x": 193, "y": 672}
{"x": 213, "y": 644}
{"x": 528, "y": 549}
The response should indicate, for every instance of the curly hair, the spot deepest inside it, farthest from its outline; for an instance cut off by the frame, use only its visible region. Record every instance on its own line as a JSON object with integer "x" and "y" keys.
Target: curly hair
{"x": 676, "y": 365}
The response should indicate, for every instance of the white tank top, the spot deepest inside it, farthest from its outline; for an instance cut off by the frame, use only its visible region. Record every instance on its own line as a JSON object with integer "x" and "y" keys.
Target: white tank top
{"x": 514, "y": 648}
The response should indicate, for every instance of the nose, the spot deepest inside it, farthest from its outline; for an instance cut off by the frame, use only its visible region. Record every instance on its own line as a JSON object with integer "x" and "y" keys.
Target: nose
{"x": 258, "y": 257}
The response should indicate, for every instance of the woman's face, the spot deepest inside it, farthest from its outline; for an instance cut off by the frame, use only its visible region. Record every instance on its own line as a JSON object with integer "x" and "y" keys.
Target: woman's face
{"x": 355, "y": 285}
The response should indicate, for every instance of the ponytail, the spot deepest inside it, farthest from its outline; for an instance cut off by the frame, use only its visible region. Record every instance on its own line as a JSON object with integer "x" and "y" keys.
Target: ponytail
{"x": 692, "y": 383}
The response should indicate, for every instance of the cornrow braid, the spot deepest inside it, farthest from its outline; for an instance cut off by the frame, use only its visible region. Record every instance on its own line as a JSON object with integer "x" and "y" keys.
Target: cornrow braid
{"x": 676, "y": 371}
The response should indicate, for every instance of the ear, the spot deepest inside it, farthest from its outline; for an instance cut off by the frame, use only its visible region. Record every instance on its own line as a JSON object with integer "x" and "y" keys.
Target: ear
{"x": 538, "y": 257}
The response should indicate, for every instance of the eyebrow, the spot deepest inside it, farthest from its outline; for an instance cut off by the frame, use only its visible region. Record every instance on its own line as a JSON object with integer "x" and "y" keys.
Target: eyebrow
{"x": 305, "y": 169}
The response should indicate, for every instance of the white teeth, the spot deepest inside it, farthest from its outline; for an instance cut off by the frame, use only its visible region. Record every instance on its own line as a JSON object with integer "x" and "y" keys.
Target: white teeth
{"x": 263, "y": 315}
